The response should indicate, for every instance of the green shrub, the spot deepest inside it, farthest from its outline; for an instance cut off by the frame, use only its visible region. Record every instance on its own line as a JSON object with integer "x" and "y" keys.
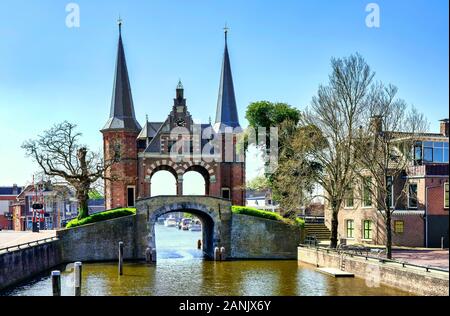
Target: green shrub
{"x": 255, "y": 212}
{"x": 300, "y": 222}
{"x": 98, "y": 217}
{"x": 251, "y": 211}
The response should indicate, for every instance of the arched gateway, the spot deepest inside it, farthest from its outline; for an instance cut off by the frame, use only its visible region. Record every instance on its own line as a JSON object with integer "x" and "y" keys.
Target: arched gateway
{"x": 177, "y": 144}
{"x": 214, "y": 213}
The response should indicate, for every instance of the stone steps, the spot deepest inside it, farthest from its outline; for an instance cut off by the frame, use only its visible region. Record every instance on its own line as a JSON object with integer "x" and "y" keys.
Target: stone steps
{"x": 321, "y": 231}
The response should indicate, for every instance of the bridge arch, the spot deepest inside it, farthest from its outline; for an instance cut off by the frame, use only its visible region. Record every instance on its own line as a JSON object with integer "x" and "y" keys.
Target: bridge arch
{"x": 214, "y": 213}
{"x": 209, "y": 226}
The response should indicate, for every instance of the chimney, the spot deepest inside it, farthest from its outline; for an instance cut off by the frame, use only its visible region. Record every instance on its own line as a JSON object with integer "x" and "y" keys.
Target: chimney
{"x": 444, "y": 127}
{"x": 15, "y": 190}
{"x": 376, "y": 124}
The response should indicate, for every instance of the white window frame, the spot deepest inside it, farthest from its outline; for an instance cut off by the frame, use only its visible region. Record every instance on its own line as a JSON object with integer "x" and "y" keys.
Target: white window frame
{"x": 346, "y": 206}
{"x": 364, "y": 229}
{"x": 353, "y": 228}
{"x": 363, "y": 193}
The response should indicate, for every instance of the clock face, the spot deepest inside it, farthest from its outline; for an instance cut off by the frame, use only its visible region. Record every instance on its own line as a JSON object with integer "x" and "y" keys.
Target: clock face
{"x": 180, "y": 122}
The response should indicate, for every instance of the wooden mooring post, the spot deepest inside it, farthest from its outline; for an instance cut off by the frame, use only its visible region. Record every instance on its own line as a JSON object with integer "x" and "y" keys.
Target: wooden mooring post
{"x": 78, "y": 274}
{"x": 120, "y": 258}
{"x": 56, "y": 283}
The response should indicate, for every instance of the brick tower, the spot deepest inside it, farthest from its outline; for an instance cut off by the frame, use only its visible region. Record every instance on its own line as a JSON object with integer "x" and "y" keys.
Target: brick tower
{"x": 231, "y": 171}
{"x": 119, "y": 138}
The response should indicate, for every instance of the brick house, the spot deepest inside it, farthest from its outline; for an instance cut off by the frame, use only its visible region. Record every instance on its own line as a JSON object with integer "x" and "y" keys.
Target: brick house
{"x": 7, "y": 198}
{"x": 144, "y": 151}
{"x": 59, "y": 205}
{"x": 421, "y": 219}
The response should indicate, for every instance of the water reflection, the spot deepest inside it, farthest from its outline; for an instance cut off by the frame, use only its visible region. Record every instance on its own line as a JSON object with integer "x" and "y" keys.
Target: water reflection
{"x": 181, "y": 270}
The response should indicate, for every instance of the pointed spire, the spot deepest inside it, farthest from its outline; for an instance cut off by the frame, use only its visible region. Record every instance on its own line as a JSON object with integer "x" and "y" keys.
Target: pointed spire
{"x": 122, "y": 109}
{"x": 226, "y": 114}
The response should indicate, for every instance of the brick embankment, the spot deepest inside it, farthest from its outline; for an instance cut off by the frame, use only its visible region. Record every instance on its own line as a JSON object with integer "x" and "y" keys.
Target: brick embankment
{"x": 411, "y": 279}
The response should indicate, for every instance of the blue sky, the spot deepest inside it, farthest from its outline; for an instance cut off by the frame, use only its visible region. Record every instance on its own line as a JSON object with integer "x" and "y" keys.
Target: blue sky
{"x": 280, "y": 51}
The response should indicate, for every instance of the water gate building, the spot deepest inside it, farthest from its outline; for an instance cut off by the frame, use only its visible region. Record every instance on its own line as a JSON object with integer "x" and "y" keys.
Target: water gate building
{"x": 176, "y": 145}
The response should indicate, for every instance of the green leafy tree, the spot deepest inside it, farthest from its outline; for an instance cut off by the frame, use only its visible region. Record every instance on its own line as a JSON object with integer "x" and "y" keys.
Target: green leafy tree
{"x": 258, "y": 183}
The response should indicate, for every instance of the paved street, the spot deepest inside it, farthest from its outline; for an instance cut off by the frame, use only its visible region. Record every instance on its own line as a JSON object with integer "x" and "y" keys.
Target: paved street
{"x": 11, "y": 238}
{"x": 434, "y": 258}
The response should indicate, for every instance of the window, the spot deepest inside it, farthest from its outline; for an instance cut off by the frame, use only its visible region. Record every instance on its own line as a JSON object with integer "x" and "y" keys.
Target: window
{"x": 446, "y": 201}
{"x": 117, "y": 152}
{"x": 390, "y": 191}
{"x": 226, "y": 193}
{"x": 349, "y": 200}
{"x": 431, "y": 152}
{"x": 367, "y": 195}
{"x": 130, "y": 197}
{"x": 418, "y": 152}
{"x": 29, "y": 222}
{"x": 399, "y": 227}
{"x": 367, "y": 229}
{"x": 412, "y": 195}
{"x": 350, "y": 228}
{"x": 428, "y": 151}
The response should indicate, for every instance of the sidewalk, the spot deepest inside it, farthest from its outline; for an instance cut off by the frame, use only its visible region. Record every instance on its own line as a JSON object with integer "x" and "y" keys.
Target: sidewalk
{"x": 433, "y": 257}
{"x": 11, "y": 238}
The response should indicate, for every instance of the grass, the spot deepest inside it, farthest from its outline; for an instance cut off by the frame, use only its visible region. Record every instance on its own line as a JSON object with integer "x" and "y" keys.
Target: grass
{"x": 245, "y": 210}
{"x": 103, "y": 216}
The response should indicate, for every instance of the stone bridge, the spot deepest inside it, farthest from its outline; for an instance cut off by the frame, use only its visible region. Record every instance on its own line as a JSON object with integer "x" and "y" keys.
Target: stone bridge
{"x": 214, "y": 214}
{"x": 242, "y": 236}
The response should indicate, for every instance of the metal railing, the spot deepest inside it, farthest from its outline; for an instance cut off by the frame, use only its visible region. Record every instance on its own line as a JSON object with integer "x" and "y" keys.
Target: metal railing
{"x": 28, "y": 244}
{"x": 313, "y": 219}
{"x": 358, "y": 253}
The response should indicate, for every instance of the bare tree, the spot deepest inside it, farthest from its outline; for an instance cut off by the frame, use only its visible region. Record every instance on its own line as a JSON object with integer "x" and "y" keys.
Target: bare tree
{"x": 337, "y": 111}
{"x": 59, "y": 153}
{"x": 385, "y": 151}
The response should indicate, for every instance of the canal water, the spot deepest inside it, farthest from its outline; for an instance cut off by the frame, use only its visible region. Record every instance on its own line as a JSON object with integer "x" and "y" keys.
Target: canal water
{"x": 181, "y": 270}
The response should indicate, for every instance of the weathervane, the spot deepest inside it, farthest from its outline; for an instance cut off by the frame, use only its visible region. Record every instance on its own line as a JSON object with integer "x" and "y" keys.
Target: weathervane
{"x": 120, "y": 22}
{"x": 226, "y": 29}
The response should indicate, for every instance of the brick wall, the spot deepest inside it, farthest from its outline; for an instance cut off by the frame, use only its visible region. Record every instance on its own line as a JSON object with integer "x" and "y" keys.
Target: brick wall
{"x": 125, "y": 170}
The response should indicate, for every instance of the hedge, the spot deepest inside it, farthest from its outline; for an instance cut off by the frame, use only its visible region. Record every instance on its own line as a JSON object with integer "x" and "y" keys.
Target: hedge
{"x": 251, "y": 211}
{"x": 98, "y": 217}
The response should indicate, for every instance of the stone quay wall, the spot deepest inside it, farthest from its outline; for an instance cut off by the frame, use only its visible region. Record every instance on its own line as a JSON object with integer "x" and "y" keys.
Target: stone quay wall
{"x": 259, "y": 238}
{"x": 409, "y": 279}
{"x": 99, "y": 241}
{"x": 22, "y": 264}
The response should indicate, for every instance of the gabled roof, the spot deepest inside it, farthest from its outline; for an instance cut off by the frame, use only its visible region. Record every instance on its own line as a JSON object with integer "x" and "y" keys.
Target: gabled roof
{"x": 122, "y": 109}
{"x": 226, "y": 113}
{"x": 155, "y": 144}
{"x": 149, "y": 130}
{"x": 13, "y": 190}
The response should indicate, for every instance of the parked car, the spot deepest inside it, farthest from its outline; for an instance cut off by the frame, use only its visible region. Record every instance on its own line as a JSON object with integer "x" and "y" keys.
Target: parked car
{"x": 170, "y": 222}
{"x": 184, "y": 224}
{"x": 195, "y": 226}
